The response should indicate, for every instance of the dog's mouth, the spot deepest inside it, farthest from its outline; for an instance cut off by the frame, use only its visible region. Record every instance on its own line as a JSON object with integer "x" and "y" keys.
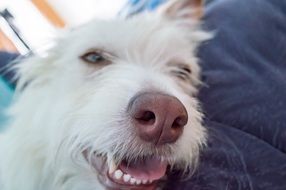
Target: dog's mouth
{"x": 143, "y": 173}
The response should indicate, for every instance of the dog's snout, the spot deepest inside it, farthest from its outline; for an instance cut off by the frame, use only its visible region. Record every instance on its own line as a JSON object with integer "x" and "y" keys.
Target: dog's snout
{"x": 157, "y": 117}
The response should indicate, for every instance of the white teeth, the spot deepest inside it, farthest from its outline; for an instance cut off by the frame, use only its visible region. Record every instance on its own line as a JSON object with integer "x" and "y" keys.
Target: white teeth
{"x": 138, "y": 182}
{"x": 118, "y": 174}
{"x": 132, "y": 181}
{"x": 112, "y": 167}
{"x": 126, "y": 177}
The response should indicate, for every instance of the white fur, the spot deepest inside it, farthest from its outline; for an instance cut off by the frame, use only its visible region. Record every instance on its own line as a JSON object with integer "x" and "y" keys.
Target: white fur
{"x": 65, "y": 105}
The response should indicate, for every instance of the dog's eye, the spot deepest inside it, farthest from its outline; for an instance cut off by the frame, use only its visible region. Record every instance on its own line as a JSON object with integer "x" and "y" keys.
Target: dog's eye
{"x": 93, "y": 57}
{"x": 186, "y": 69}
{"x": 182, "y": 71}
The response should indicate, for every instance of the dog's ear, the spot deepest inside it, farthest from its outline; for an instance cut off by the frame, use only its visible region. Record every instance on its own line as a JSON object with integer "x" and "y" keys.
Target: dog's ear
{"x": 177, "y": 9}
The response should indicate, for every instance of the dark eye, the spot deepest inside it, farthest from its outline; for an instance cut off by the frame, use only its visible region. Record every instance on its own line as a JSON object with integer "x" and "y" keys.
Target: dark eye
{"x": 186, "y": 69}
{"x": 182, "y": 71}
{"x": 93, "y": 57}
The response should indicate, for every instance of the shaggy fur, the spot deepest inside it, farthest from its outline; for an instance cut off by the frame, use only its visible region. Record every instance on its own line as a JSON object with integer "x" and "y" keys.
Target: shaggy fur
{"x": 65, "y": 106}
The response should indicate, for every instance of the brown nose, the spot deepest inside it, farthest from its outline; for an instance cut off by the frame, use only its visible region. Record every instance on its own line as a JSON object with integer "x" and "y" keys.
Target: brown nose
{"x": 158, "y": 118}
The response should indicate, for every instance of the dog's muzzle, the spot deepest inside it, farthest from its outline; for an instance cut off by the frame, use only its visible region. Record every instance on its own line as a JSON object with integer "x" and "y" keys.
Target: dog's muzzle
{"x": 159, "y": 120}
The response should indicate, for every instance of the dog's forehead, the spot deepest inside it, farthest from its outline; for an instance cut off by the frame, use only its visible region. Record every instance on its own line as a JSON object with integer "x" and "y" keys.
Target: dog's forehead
{"x": 143, "y": 34}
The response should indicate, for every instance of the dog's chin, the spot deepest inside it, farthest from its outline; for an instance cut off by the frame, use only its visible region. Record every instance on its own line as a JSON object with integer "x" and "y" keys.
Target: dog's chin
{"x": 147, "y": 173}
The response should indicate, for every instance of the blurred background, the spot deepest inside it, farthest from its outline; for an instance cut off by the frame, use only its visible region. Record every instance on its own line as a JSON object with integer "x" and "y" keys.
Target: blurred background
{"x": 29, "y": 24}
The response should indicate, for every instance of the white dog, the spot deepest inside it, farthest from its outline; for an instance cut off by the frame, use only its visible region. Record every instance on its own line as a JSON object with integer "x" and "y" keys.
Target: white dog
{"x": 111, "y": 106}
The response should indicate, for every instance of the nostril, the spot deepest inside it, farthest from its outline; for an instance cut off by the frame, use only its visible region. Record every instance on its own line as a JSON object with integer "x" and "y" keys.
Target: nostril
{"x": 179, "y": 122}
{"x": 146, "y": 117}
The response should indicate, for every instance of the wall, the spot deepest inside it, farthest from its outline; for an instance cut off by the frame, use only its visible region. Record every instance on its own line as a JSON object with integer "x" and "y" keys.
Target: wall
{"x": 81, "y": 11}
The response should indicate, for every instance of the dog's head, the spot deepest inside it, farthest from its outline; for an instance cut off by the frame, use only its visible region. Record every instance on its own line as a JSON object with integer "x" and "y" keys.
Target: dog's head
{"x": 114, "y": 101}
